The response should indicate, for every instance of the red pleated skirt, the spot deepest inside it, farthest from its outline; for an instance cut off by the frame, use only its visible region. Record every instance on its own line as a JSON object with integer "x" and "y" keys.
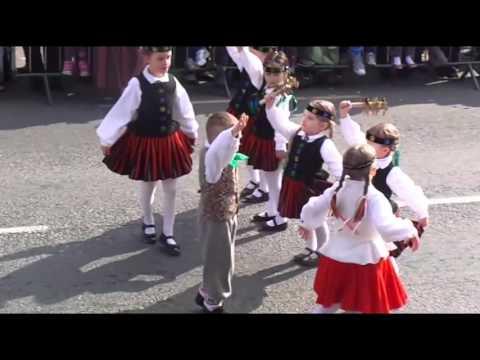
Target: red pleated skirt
{"x": 372, "y": 288}
{"x": 151, "y": 158}
{"x": 293, "y": 196}
{"x": 261, "y": 152}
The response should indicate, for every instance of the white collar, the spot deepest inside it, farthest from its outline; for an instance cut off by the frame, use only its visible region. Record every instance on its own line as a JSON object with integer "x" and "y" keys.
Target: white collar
{"x": 383, "y": 163}
{"x": 312, "y": 137}
{"x": 152, "y": 78}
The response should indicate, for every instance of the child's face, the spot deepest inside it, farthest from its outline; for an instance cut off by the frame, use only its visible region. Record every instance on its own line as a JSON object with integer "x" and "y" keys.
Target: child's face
{"x": 159, "y": 62}
{"x": 274, "y": 76}
{"x": 381, "y": 151}
{"x": 311, "y": 124}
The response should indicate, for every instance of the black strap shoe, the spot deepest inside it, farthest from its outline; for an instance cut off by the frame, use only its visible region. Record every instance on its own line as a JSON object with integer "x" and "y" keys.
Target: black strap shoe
{"x": 275, "y": 228}
{"x": 170, "y": 249}
{"x": 309, "y": 259}
{"x": 260, "y": 218}
{"x": 149, "y": 238}
{"x": 252, "y": 199}
{"x": 247, "y": 191}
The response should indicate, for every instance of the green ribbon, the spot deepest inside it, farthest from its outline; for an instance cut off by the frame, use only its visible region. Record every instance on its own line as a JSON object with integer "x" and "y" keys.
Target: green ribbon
{"x": 396, "y": 158}
{"x": 237, "y": 159}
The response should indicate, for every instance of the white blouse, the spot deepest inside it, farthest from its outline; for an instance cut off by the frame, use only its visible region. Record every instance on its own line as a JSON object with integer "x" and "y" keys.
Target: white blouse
{"x": 114, "y": 124}
{"x": 379, "y": 225}
{"x": 400, "y": 183}
{"x": 279, "y": 118}
{"x": 219, "y": 154}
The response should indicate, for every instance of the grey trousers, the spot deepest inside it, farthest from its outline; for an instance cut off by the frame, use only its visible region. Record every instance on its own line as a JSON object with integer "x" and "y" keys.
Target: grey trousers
{"x": 218, "y": 239}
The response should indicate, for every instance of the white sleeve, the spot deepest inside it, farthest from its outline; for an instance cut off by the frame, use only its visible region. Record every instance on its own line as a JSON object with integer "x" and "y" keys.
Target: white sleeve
{"x": 278, "y": 116}
{"x": 253, "y": 65}
{"x": 114, "y": 123}
{"x": 404, "y": 187}
{"x": 183, "y": 112}
{"x": 390, "y": 227}
{"x": 315, "y": 211}
{"x": 219, "y": 155}
{"x": 280, "y": 142}
{"x": 351, "y": 132}
{"x": 332, "y": 158}
{"x": 235, "y": 56}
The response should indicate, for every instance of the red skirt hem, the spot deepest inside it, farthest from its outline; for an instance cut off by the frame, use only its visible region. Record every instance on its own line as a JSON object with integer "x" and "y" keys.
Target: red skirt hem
{"x": 371, "y": 288}
{"x": 151, "y": 158}
{"x": 293, "y": 196}
{"x": 261, "y": 152}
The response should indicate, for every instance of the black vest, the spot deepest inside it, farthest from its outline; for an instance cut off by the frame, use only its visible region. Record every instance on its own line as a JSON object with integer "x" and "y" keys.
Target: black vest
{"x": 380, "y": 181}
{"x": 305, "y": 161}
{"x": 154, "y": 115}
{"x": 245, "y": 90}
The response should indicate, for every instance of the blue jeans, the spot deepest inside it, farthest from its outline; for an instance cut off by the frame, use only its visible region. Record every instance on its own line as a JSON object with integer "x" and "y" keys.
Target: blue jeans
{"x": 358, "y": 50}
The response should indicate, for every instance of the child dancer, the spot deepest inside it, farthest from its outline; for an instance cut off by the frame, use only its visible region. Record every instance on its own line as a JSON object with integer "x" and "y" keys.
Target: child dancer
{"x": 148, "y": 135}
{"x": 310, "y": 147}
{"x": 218, "y": 208}
{"x": 239, "y": 105}
{"x": 354, "y": 273}
{"x": 389, "y": 178}
{"x": 264, "y": 146}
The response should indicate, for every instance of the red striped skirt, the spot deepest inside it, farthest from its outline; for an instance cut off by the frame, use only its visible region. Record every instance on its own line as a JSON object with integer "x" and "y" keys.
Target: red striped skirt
{"x": 261, "y": 152}
{"x": 372, "y": 288}
{"x": 151, "y": 158}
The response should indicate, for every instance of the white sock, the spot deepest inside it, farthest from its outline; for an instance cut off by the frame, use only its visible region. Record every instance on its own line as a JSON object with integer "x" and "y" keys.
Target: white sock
{"x": 169, "y": 194}
{"x": 312, "y": 243}
{"x": 273, "y": 179}
{"x": 278, "y": 219}
{"x": 263, "y": 182}
{"x": 253, "y": 175}
{"x": 319, "y": 309}
{"x": 146, "y": 198}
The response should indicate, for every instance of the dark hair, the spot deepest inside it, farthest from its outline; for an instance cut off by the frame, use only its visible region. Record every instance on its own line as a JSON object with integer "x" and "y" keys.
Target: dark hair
{"x": 278, "y": 58}
{"x": 153, "y": 49}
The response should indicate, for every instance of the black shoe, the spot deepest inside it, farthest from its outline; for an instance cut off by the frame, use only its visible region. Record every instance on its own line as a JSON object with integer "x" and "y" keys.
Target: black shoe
{"x": 309, "y": 259}
{"x": 200, "y": 301}
{"x": 260, "y": 219}
{"x": 252, "y": 199}
{"x": 246, "y": 192}
{"x": 275, "y": 228}
{"x": 172, "y": 250}
{"x": 149, "y": 238}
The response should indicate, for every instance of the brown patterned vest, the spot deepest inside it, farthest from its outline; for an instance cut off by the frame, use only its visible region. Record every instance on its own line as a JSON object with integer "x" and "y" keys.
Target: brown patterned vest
{"x": 219, "y": 201}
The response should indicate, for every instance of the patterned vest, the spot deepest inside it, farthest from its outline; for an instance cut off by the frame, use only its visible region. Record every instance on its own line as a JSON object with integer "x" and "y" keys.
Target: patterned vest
{"x": 220, "y": 201}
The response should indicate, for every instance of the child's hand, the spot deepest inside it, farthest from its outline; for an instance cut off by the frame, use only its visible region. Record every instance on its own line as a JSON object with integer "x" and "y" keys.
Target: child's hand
{"x": 269, "y": 100}
{"x": 106, "y": 150}
{"x": 345, "y": 107}
{"x": 281, "y": 154}
{"x": 414, "y": 243}
{"x": 242, "y": 122}
{"x": 305, "y": 234}
{"x": 423, "y": 222}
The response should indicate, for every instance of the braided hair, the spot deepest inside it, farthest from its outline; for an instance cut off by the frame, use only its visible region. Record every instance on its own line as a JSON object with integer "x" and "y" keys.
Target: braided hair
{"x": 357, "y": 163}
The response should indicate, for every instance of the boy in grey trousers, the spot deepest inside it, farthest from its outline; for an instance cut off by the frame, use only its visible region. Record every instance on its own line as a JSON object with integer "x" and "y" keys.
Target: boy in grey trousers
{"x": 218, "y": 208}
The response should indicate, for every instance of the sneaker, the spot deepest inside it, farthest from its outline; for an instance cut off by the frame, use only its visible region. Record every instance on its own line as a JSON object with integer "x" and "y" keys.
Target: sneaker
{"x": 67, "y": 68}
{"x": 397, "y": 63}
{"x": 371, "y": 59}
{"x": 358, "y": 65}
{"x": 83, "y": 67}
{"x": 410, "y": 63}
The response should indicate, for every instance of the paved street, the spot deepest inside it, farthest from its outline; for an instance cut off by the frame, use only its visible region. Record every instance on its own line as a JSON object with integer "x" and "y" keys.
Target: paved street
{"x": 88, "y": 256}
